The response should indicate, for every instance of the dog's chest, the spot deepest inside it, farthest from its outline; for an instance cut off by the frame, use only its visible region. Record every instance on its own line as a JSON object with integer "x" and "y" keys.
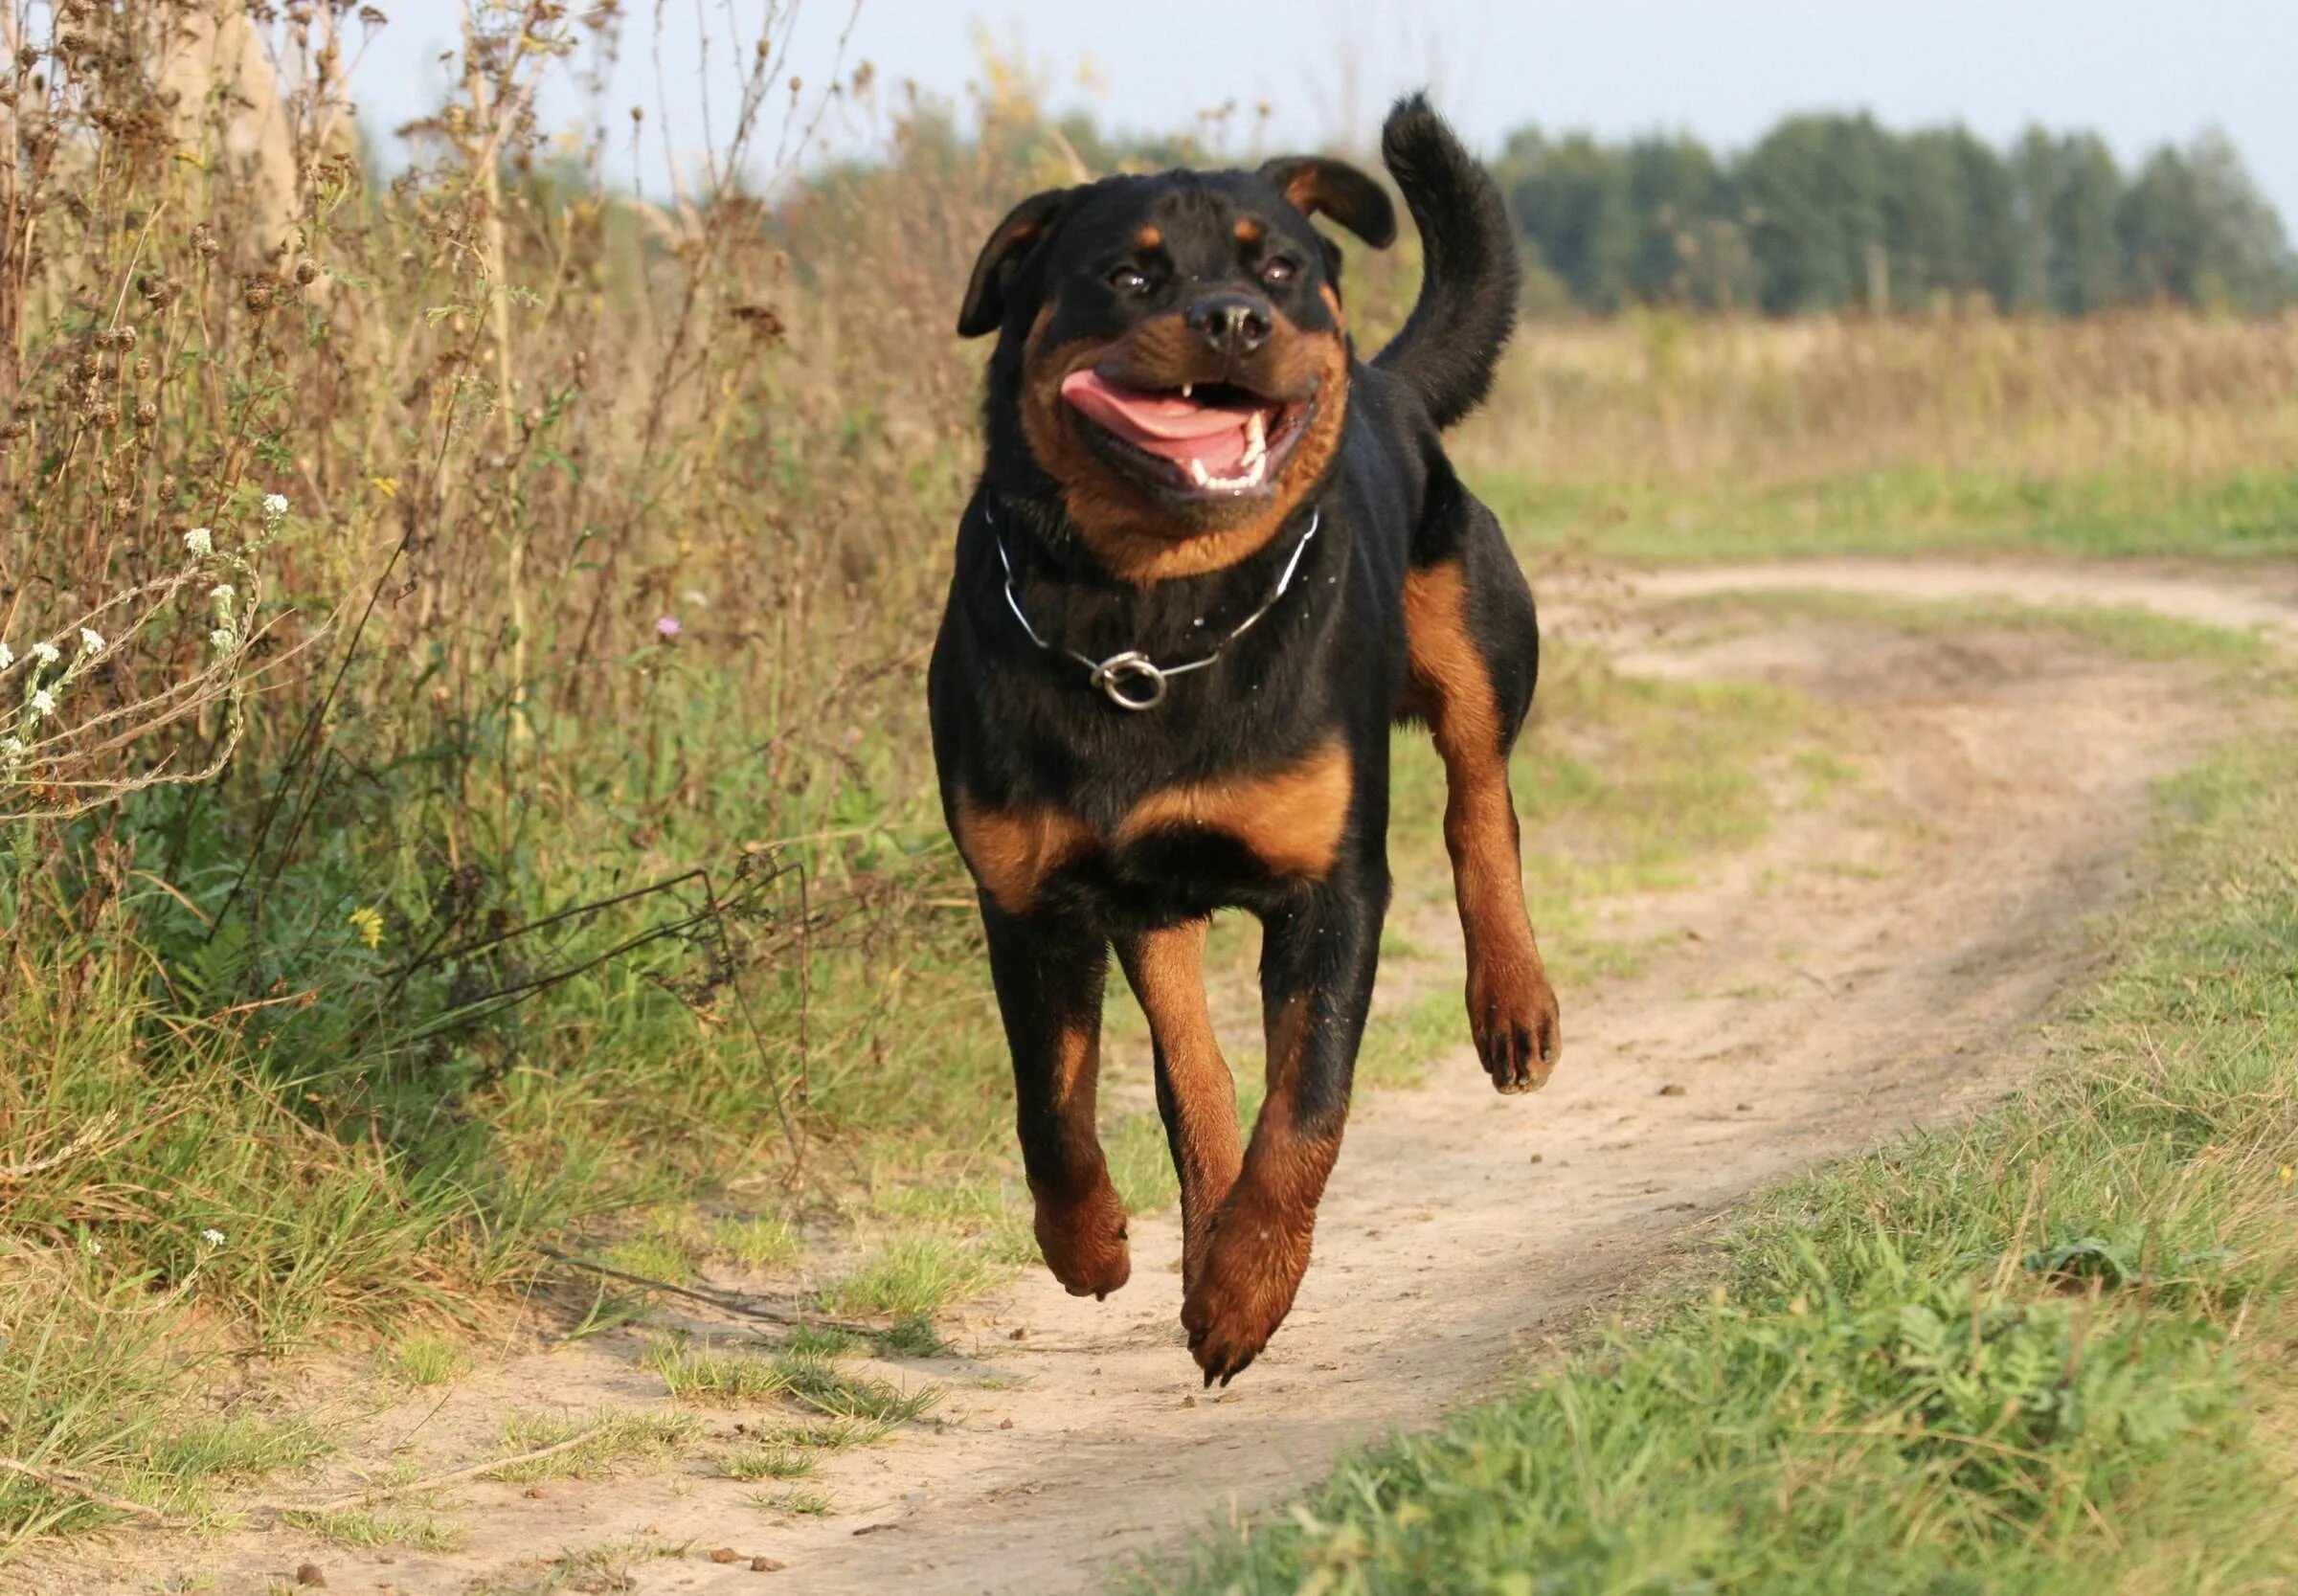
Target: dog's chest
{"x": 1188, "y": 839}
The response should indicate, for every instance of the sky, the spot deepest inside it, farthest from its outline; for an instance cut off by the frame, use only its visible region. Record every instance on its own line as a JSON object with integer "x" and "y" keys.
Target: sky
{"x": 2140, "y": 71}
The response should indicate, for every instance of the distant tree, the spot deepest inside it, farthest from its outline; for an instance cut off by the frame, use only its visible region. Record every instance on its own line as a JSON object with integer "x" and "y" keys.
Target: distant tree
{"x": 2193, "y": 227}
{"x": 1676, "y": 191}
{"x": 1834, "y": 211}
{"x": 1816, "y": 194}
{"x": 1574, "y": 199}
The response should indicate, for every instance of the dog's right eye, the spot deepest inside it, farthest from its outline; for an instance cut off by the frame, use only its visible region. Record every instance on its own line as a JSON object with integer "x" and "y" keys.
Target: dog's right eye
{"x": 1129, "y": 279}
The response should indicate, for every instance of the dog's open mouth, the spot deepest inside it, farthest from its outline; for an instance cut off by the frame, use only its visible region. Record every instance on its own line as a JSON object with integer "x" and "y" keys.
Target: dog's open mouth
{"x": 1206, "y": 440}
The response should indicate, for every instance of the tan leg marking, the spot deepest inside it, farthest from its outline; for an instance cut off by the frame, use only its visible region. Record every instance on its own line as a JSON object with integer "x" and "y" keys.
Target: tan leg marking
{"x": 1082, "y": 1232}
{"x": 1259, "y": 1246}
{"x": 1166, "y": 969}
{"x": 1511, "y": 1008}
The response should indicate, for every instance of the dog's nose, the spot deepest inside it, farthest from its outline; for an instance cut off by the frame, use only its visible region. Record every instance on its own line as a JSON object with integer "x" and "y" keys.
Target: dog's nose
{"x": 1231, "y": 324}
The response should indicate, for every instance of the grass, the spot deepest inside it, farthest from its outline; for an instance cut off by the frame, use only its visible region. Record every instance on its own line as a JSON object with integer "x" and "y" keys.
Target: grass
{"x": 609, "y": 1565}
{"x": 808, "y": 1377}
{"x": 767, "y": 1463}
{"x": 371, "y": 1528}
{"x": 636, "y": 1435}
{"x": 756, "y": 1241}
{"x": 2132, "y": 634}
{"x": 910, "y": 1276}
{"x": 427, "y": 1360}
{"x": 699, "y": 1373}
{"x": 2044, "y": 1352}
{"x": 801, "y": 1500}
{"x": 2104, "y": 514}
{"x": 816, "y": 1383}
{"x": 1659, "y": 438}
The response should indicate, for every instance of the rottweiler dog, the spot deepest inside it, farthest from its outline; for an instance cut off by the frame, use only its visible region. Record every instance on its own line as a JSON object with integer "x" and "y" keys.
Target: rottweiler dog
{"x": 1212, "y": 558}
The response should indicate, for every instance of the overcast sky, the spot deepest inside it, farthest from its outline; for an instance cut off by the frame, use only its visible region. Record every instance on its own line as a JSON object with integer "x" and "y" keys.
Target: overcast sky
{"x": 2139, "y": 71}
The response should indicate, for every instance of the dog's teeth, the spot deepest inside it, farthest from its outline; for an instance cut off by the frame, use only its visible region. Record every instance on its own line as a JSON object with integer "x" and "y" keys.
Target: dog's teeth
{"x": 1184, "y": 388}
{"x": 1197, "y": 474}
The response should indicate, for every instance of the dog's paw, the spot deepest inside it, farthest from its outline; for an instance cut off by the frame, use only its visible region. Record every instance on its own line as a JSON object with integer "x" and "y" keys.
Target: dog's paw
{"x": 1252, "y": 1266}
{"x": 1519, "y": 1028}
{"x": 1084, "y": 1240}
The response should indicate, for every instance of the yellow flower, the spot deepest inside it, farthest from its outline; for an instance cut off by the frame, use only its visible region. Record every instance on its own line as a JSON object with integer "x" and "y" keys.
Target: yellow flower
{"x": 2287, "y": 1172}
{"x": 369, "y": 924}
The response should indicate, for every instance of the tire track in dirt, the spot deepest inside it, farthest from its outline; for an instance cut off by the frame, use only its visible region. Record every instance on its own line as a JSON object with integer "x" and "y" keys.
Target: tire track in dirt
{"x": 1872, "y": 965}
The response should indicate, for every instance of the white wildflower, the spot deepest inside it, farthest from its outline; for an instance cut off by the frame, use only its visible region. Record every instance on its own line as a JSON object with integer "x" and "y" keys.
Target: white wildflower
{"x": 224, "y": 640}
{"x": 8, "y": 656}
{"x": 201, "y": 541}
{"x": 45, "y": 653}
{"x": 12, "y": 750}
{"x": 43, "y": 703}
{"x": 91, "y": 640}
{"x": 274, "y": 505}
{"x": 212, "y": 1236}
{"x": 223, "y": 593}
{"x": 94, "y": 1246}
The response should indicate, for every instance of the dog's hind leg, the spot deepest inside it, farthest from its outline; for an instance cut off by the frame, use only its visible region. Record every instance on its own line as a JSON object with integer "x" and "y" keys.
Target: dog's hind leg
{"x": 1194, "y": 1092}
{"x": 1317, "y": 969}
{"x": 1050, "y": 974}
{"x": 1474, "y": 649}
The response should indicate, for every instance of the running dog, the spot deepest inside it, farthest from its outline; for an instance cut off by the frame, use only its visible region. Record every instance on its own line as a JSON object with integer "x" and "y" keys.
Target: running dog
{"x": 1214, "y": 555}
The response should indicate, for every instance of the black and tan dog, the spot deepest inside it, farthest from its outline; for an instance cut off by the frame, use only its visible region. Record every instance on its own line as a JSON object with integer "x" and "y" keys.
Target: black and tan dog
{"x": 1212, "y": 556}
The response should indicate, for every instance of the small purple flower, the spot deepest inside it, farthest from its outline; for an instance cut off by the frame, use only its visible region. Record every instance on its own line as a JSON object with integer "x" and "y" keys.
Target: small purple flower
{"x": 667, "y": 628}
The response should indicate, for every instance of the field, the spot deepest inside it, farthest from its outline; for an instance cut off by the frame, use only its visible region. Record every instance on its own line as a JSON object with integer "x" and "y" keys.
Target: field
{"x": 480, "y": 940}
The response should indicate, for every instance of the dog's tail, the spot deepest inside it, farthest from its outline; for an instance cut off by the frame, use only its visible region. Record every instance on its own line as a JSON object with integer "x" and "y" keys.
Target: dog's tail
{"x": 1450, "y": 345}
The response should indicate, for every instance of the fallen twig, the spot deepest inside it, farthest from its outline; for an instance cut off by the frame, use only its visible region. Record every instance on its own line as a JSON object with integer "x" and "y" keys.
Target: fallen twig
{"x": 433, "y": 1482}
{"x": 730, "y": 1302}
{"x": 64, "y": 1486}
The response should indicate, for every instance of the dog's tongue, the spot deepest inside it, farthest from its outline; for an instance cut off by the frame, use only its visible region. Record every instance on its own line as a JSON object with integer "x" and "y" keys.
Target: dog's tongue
{"x": 1164, "y": 424}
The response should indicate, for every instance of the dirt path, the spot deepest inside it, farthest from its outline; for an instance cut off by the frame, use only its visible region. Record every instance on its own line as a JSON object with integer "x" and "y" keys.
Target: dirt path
{"x": 1870, "y": 966}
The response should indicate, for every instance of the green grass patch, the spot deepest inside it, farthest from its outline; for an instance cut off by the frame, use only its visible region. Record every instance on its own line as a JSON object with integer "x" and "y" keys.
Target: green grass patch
{"x": 426, "y": 1359}
{"x": 817, "y": 1384}
{"x": 759, "y": 1241}
{"x": 611, "y": 1440}
{"x": 2029, "y": 1354}
{"x": 909, "y": 1275}
{"x": 371, "y": 1528}
{"x": 824, "y": 1434}
{"x": 2250, "y": 513}
{"x": 766, "y": 1462}
{"x": 805, "y": 1501}
{"x": 2123, "y": 630}
{"x": 698, "y": 1372}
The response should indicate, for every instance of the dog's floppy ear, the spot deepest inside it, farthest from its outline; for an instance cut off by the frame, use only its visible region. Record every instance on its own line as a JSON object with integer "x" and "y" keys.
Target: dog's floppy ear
{"x": 1025, "y": 226}
{"x": 1338, "y": 190}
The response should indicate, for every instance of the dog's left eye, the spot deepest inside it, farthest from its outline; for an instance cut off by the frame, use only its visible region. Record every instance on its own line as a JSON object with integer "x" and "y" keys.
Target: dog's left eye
{"x": 1279, "y": 271}
{"x": 1127, "y": 280}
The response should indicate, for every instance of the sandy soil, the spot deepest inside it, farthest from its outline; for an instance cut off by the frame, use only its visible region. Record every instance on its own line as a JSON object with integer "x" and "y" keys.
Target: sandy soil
{"x": 1872, "y": 965}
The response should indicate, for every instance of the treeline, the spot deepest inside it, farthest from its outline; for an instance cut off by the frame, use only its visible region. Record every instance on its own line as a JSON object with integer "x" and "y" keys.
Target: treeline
{"x": 1828, "y": 212}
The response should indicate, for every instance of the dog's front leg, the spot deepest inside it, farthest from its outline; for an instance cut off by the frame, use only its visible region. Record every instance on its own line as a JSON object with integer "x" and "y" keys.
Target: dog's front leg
{"x": 1317, "y": 969}
{"x": 1049, "y": 973}
{"x": 1194, "y": 1094}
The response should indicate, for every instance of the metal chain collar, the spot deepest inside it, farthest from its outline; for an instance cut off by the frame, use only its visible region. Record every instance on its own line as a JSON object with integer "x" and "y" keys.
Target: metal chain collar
{"x": 1131, "y": 667}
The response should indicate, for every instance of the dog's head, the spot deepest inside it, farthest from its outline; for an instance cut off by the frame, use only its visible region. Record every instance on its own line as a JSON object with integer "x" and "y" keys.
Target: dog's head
{"x": 1171, "y": 355}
